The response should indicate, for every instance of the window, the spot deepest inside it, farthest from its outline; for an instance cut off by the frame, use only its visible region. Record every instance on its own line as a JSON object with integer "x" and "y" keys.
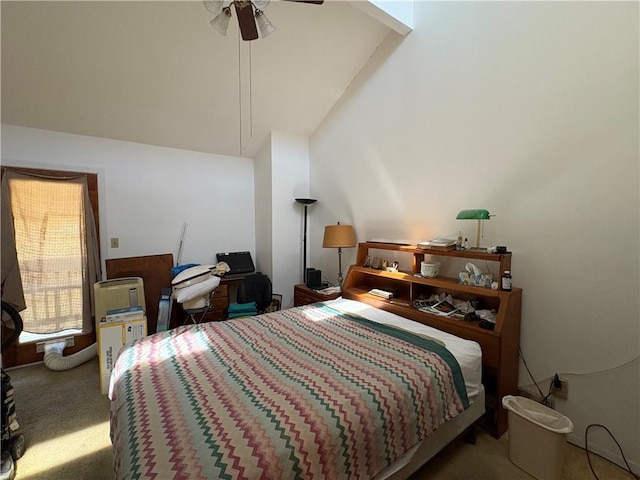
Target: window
{"x": 56, "y": 247}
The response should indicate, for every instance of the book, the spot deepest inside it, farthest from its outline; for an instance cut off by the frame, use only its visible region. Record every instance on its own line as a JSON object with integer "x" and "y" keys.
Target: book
{"x": 440, "y": 248}
{"x": 438, "y": 244}
{"x": 115, "y": 311}
{"x": 123, "y": 314}
{"x": 381, "y": 293}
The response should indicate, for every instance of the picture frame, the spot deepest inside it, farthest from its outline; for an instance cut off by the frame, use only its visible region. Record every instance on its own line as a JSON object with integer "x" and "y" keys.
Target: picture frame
{"x": 276, "y": 303}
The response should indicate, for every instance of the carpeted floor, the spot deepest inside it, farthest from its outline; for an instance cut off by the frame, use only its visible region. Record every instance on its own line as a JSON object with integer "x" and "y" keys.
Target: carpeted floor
{"x": 66, "y": 424}
{"x": 65, "y": 421}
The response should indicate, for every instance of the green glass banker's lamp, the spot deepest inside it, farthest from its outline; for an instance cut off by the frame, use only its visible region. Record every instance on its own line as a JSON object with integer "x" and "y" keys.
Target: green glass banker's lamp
{"x": 477, "y": 214}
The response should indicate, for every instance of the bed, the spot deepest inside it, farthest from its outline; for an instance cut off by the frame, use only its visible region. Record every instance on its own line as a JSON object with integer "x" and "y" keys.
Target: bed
{"x": 338, "y": 389}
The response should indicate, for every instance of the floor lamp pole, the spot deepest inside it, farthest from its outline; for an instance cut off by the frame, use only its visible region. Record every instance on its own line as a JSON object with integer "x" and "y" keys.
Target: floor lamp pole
{"x": 306, "y": 202}
{"x": 304, "y": 243}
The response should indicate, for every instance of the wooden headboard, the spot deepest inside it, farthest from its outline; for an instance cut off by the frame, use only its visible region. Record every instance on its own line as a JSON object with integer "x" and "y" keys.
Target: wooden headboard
{"x": 499, "y": 346}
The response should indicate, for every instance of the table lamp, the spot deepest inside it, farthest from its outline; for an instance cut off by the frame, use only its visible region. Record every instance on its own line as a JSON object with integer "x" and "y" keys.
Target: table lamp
{"x": 339, "y": 236}
{"x": 479, "y": 215}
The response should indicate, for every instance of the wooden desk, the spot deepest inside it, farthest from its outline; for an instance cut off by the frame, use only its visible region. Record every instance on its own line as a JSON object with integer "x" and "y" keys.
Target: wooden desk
{"x": 233, "y": 283}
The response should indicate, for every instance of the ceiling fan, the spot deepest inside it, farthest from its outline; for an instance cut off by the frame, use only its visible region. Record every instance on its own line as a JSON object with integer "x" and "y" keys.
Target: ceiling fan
{"x": 250, "y": 16}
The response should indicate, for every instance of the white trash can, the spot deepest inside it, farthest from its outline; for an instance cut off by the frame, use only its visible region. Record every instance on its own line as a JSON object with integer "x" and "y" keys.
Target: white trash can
{"x": 537, "y": 437}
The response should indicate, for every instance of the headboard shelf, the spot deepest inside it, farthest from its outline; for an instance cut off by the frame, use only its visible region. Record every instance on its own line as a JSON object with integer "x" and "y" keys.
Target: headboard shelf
{"x": 499, "y": 346}
{"x": 504, "y": 259}
{"x": 440, "y": 282}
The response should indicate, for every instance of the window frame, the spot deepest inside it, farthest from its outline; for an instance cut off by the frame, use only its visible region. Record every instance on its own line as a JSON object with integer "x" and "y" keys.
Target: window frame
{"x": 22, "y": 354}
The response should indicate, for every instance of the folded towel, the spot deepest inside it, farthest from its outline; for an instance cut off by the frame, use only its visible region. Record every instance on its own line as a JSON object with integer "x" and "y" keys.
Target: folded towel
{"x": 243, "y": 308}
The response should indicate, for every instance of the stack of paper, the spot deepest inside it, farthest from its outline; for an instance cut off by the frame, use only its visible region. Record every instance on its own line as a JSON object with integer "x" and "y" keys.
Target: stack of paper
{"x": 123, "y": 314}
{"x": 438, "y": 244}
{"x": 329, "y": 290}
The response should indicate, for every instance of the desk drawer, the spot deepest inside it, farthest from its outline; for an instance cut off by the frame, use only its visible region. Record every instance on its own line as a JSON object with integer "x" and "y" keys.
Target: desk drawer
{"x": 219, "y": 303}
{"x": 220, "y": 291}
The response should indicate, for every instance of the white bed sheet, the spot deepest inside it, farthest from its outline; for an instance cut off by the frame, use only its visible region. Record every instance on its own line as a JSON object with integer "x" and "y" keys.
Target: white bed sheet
{"x": 467, "y": 352}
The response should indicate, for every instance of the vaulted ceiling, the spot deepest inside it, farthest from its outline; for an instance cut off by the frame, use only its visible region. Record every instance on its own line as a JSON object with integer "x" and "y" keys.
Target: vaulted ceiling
{"x": 155, "y": 72}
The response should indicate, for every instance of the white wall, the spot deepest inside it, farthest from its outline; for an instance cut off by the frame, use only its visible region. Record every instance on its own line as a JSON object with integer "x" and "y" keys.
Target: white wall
{"x": 282, "y": 175}
{"x": 147, "y": 193}
{"x": 263, "y": 207}
{"x": 528, "y": 109}
{"x": 290, "y": 157}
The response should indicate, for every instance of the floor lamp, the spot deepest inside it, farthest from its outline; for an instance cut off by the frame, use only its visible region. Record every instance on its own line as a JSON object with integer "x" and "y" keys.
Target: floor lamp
{"x": 306, "y": 202}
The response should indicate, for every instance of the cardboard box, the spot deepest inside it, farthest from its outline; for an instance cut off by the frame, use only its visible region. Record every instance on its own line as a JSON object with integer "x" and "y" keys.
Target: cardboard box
{"x": 112, "y": 337}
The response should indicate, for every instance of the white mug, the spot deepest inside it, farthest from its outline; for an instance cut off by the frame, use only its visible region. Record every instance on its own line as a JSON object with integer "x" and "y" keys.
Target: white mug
{"x": 428, "y": 269}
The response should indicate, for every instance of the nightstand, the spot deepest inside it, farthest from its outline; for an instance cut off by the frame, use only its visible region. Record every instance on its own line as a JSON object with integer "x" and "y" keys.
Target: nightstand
{"x": 303, "y": 295}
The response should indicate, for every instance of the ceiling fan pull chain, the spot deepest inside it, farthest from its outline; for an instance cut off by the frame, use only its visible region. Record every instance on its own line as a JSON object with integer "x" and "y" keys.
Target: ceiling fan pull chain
{"x": 239, "y": 95}
{"x": 250, "y": 94}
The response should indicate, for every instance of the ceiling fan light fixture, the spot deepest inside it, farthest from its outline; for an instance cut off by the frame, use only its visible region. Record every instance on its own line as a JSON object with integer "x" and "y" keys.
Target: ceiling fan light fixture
{"x": 250, "y": 15}
{"x": 264, "y": 24}
{"x": 221, "y": 21}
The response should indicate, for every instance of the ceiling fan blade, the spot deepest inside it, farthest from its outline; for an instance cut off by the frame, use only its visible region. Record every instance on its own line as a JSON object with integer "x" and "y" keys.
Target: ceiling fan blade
{"x": 246, "y": 22}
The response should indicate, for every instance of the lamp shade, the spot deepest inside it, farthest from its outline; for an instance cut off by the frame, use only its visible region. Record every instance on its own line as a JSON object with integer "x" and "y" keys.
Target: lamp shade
{"x": 306, "y": 201}
{"x": 221, "y": 21}
{"x": 339, "y": 236}
{"x": 264, "y": 24}
{"x": 478, "y": 214}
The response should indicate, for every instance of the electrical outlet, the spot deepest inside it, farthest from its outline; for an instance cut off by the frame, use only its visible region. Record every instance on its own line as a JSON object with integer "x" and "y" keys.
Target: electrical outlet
{"x": 561, "y": 390}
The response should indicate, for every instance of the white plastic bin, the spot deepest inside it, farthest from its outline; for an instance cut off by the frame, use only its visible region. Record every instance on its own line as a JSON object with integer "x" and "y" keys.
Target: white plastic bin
{"x": 537, "y": 437}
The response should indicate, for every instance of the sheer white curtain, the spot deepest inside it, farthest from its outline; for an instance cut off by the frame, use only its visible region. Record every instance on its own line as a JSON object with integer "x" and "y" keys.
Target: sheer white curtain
{"x": 57, "y": 250}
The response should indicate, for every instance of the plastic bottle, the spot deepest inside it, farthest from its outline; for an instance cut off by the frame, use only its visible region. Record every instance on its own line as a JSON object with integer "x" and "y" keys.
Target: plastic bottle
{"x": 459, "y": 240}
{"x": 506, "y": 281}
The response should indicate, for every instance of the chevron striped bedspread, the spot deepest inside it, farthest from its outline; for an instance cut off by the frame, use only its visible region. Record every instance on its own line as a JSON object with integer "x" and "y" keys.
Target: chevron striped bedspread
{"x": 296, "y": 394}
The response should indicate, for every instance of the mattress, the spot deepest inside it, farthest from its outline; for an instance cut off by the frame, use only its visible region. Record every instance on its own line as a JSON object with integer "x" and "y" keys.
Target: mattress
{"x": 337, "y": 390}
{"x": 468, "y": 353}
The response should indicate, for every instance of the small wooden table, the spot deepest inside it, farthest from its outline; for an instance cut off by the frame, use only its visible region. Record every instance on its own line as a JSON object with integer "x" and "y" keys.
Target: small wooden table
{"x": 303, "y": 295}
